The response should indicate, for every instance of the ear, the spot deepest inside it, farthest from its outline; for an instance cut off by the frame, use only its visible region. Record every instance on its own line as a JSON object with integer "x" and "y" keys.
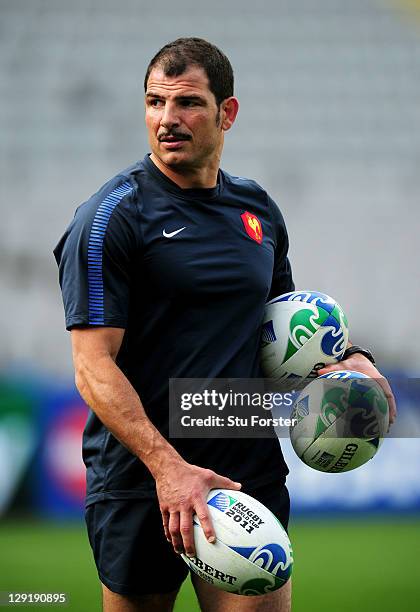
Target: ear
{"x": 229, "y": 108}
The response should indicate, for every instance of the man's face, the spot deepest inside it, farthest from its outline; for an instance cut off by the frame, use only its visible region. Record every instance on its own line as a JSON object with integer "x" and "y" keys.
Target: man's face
{"x": 183, "y": 121}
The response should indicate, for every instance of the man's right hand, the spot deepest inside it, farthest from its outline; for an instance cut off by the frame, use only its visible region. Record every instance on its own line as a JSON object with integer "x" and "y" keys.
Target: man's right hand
{"x": 182, "y": 490}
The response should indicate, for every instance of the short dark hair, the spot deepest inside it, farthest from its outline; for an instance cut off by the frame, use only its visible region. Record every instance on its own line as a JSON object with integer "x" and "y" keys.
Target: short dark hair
{"x": 177, "y": 56}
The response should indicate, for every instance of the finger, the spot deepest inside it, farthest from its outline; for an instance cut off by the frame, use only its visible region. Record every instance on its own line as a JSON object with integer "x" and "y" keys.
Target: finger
{"x": 174, "y": 532}
{"x": 187, "y": 532}
{"x": 222, "y": 482}
{"x": 202, "y": 511}
{"x": 390, "y": 398}
{"x": 392, "y": 409}
{"x": 334, "y": 367}
{"x": 165, "y": 521}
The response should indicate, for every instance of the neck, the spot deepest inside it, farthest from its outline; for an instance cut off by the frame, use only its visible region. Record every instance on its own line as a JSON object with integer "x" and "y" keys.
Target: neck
{"x": 190, "y": 178}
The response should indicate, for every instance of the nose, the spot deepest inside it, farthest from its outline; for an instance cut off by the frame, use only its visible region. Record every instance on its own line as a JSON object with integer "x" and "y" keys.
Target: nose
{"x": 169, "y": 117}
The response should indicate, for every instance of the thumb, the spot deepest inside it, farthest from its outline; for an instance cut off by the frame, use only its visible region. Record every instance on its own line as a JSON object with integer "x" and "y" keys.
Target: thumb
{"x": 222, "y": 482}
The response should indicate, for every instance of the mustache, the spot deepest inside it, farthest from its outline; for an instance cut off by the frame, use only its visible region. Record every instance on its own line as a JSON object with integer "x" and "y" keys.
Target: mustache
{"x": 174, "y": 135}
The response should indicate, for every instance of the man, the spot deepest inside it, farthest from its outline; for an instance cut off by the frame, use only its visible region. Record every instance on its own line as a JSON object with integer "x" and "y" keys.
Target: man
{"x": 165, "y": 272}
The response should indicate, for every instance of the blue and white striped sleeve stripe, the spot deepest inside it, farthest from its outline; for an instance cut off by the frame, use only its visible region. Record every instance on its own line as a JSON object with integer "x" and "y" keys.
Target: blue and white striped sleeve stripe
{"x": 95, "y": 249}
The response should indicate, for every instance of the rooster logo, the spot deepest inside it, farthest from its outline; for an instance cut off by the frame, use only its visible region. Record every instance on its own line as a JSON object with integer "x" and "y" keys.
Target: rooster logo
{"x": 252, "y": 226}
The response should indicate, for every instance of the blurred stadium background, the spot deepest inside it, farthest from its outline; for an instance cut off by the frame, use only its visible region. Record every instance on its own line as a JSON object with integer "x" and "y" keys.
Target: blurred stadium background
{"x": 329, "y": 124}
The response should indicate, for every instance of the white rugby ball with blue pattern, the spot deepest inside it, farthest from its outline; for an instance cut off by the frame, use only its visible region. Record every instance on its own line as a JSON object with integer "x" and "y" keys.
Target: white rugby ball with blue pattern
{"x": 339, "y": 421}
{"x": 252, "y": 554}
{"x": 302, "y": 331}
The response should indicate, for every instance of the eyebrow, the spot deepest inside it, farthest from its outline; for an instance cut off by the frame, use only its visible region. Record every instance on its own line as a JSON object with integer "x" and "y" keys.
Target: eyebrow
{"x": 195, "y": 97}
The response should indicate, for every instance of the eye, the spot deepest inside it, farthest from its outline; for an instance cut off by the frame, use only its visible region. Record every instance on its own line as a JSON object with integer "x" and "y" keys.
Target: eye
{"x": 155, "y": 102}
{"x": 188, "y": 103}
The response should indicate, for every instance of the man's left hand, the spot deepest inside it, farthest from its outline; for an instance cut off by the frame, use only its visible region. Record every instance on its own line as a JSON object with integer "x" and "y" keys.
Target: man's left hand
{"x": 359, "y": 363}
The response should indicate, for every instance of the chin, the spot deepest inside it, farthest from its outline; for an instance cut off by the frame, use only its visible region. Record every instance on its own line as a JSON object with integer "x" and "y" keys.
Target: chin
{"x": 175, "y": 158}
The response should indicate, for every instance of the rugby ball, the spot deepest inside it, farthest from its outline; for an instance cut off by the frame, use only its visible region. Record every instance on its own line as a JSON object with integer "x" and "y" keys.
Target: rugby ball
{"x": 339, "y": 421}
{"x": 302, "y": 332}
{"x": 252, "y": 554}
